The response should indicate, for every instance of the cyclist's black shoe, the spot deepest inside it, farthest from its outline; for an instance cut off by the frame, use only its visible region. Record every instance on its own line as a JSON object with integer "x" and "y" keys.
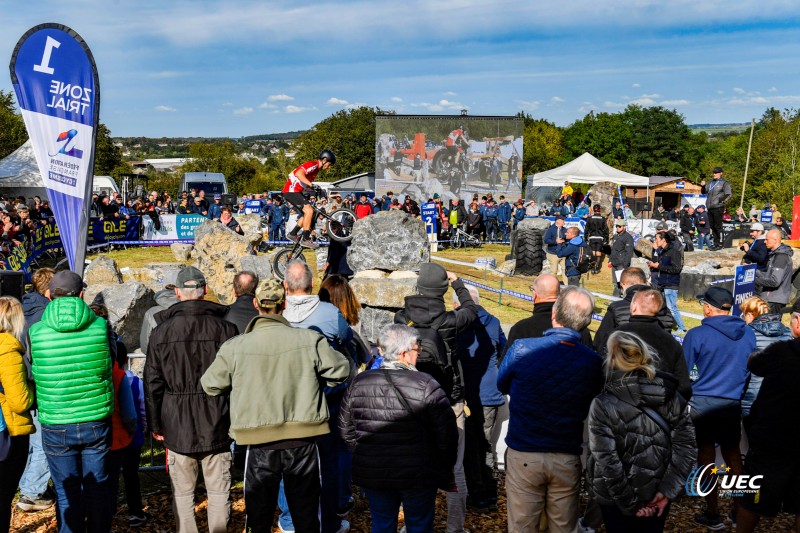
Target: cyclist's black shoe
{"x": 308, "y": 243}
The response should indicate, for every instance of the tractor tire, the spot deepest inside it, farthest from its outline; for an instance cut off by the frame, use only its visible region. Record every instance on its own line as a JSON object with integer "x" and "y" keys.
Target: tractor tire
{"x": 529, "y": 252}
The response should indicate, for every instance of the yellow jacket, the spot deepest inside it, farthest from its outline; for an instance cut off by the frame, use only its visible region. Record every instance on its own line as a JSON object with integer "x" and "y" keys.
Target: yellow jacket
{"x": 17, "y": 398}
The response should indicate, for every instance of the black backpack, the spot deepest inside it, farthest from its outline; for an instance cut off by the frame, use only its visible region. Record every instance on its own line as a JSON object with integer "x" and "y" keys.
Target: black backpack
{"x": 434, "y": 358}
{"x": 584, "y": 261}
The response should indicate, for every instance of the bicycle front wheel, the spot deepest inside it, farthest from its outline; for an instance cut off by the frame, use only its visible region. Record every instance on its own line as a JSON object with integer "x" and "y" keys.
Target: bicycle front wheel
{"x": 282, "y": 260}
{"x": 340, "y": 225}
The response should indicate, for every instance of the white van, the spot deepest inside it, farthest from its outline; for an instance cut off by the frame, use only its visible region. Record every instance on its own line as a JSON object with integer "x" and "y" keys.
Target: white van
{"x": 104, "y": 185}
{"x": 211, "y": 182}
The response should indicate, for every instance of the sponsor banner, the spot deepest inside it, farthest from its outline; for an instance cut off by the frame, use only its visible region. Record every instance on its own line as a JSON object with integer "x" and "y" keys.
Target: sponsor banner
{"x": 693, "y": 200}
{"x": 170, "y": 227}
{"x": 113, "y": 229}
{"x": 744, "y": 286}
{"x": 252, "y": 207}
{"x": 57, "y": 87}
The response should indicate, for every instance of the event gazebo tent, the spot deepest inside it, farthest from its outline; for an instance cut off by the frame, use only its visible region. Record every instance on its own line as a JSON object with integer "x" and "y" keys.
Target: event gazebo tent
{"x": 19, "y": 173}
{"x": 586, "y": 169}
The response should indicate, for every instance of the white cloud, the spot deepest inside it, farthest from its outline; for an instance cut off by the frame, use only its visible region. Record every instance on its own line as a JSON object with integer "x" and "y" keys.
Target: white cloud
{"x": 674, "y": 102}
{"x": 298, "y": 109}
{"x": 654, "y": 95}
{"x": 644, "y": 101}
{"x": 450, "y": 93}
{"x": 529, "y": 105}
{"x": 739, "y": 90}
{"x": 336, "y": 101}
{"x": 227, "y": 104}
{"x": 242, "y": 111}
{"x": 267, "y": 105}
{"x": 557, "y": 100}
{"x": 165, "y": 109}
{"x": 441, "y": 105}
{"x": 356, "y": 105}
{"x": 586, "y": 107}
{"x": 773, "y": 89}
{"x": 613, "y": 105}
{"x": 280, "y": 98}
{"x": 396, "y": 99}
{"x": 636, "y": 85}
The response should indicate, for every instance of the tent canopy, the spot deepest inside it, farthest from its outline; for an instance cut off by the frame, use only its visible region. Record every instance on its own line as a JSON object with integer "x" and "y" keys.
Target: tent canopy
{"x": 19, "y": 173}
{"x": 586, "y": 169}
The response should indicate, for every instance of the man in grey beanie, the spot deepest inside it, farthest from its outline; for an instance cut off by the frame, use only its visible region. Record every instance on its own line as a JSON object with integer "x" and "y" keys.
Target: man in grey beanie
{"x": 427, "y": 310}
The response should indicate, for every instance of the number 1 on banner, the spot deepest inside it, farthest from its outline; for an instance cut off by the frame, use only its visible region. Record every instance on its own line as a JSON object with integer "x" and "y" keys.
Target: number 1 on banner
{"x": 48, "y": 51}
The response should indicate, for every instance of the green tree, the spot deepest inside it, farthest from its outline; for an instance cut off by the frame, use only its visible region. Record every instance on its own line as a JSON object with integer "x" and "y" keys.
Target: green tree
{"x": 107, "y": 156}
{"x": 774, "y": 174}
{"x": 543, "y": 148}
{"x": 607, "y": 136}
{"x": 12, "y": 128}
{"x": 350, "y": 134}
{"x": 661, "y": 144}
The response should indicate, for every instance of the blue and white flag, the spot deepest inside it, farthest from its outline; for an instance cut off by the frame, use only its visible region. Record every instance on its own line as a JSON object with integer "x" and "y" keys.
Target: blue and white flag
{"x": 58, "y": 90}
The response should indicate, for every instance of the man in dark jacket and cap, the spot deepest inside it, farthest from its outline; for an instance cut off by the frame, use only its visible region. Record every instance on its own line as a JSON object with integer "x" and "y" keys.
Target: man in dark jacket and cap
{"x": 193, "y": 425}
{"x": 718, "y": 192}
{"x": 426, "y": 310}
{"x": 774, "y": 285}
{"x": 621, "y": 252}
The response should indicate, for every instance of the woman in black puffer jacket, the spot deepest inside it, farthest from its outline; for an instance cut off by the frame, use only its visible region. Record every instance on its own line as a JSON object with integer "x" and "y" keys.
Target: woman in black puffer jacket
{"x": 402, "y": 431}
{"x": 635, "y": 469}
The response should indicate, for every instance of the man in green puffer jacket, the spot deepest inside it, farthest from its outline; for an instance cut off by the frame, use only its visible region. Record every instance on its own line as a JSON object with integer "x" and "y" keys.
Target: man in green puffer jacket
{"x": 72, "y": 371}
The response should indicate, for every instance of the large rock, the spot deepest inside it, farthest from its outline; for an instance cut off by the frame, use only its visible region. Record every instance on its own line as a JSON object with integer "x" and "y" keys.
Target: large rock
{"x": 645, "y": 247}
{"x": 390, "y": 240}
{"x": 605, "y": 194}
{"x": 102, "y": 271}
{"x": 377, "y": 289}
{"x": 251, "y": 226}
{"x": 507, "y": 267}
{"x": 126, "y": 304}
{"x": 372, "y": 320}
{"x": 260, "y": 264}
{"x": 219, "y": 252}
{"x": 182, "y": 252}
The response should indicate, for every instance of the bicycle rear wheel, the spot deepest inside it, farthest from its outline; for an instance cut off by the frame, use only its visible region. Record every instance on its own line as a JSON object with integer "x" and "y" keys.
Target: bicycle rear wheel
{"x": 282, "y": 260}
{"x": 340, "y": 225}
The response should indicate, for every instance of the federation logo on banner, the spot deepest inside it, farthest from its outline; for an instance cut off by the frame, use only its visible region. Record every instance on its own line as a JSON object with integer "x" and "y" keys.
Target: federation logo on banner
{"x": 56, "y": 83}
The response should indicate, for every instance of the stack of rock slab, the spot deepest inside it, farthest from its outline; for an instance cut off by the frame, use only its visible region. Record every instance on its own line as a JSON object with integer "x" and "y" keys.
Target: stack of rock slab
{"x": 386, "y": 252}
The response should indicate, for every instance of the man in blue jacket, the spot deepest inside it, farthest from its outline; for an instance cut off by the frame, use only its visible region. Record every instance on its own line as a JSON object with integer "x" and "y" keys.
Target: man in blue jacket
{"x": 570, "y": 249}
{"x": 278, "y": 215}
{"x": 716, "y": 355}
{"x": 215, "y": 209}
{"x": 551, "y": 381}
{"x": 503, "y": 217}
{"x": 490, "y": 220}
{"x": 556, "y": 232}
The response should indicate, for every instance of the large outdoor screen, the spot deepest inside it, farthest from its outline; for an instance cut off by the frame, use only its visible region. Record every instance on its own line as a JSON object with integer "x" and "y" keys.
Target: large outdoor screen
{"x": 448, "y": 155}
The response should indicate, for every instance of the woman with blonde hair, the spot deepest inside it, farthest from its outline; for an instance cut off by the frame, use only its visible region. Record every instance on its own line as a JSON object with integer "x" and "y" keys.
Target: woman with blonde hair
{"x": 16, "y": 399}
{"x": 768, "y": 329}
{"x": 641, "y": 439}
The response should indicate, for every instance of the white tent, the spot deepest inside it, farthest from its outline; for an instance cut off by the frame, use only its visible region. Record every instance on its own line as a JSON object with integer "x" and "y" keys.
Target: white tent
{"x": 19, "y": 173}
{"x": 586, "y": 169}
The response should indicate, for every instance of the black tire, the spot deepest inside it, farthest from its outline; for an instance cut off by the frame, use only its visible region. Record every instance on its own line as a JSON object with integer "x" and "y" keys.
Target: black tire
{"x": 455, "y": 182}
{"x": 529, "y": 252}
{"x": 340, "y": 228}
{"x": 282, "y": 259}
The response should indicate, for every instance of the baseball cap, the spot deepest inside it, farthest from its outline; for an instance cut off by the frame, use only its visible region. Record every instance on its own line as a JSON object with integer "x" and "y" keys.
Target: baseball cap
{"x": 718, "y": 297}
{"x": 757, "y": 226}
{"x": 717, "y": 170}
{"x": 68, "y": 281}
{"x": 190, "y": 278}
{"x": 620, "y": 222}
{"x": 270, "y": 292}
{"x": 662, "y": 226}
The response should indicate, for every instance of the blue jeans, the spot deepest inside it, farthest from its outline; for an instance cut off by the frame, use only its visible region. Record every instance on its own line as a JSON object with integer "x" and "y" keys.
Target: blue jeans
{"x": 703, "y": 239}
{"x": 36, "y": 476}
{"x": 78, "y": 458}
{"x": 418, "y": 509}
{"x": 285, "y": 518}
{"x": 671, "y": 295}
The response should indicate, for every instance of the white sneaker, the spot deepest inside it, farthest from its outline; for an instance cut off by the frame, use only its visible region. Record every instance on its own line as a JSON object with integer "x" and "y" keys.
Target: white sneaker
{"x": 345, "y": 527}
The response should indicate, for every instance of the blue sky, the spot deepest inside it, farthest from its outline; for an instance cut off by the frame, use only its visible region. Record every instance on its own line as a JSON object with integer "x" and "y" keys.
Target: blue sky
{"x": 244, "y": 67}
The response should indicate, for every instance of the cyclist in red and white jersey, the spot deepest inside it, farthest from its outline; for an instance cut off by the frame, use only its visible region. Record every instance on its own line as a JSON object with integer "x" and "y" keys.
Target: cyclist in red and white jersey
{"x": 301, "y": 178}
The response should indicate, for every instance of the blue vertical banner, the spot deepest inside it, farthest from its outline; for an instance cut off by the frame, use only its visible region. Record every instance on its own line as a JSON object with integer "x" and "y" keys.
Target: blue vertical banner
{"x": 429, "y": 212}
{"x": 58, "y": 90}
{"x": 744, "y": 286}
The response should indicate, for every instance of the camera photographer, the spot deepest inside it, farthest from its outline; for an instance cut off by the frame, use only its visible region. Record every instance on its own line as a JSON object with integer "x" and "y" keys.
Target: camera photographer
{"x": 756, "y": 252}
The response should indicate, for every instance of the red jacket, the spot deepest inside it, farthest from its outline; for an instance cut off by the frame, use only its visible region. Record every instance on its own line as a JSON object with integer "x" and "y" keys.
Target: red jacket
{"x": 363, "y": 210}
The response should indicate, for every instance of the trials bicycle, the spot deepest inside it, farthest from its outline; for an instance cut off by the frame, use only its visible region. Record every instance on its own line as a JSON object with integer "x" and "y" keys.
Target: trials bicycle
{"x": 338, "y": 226}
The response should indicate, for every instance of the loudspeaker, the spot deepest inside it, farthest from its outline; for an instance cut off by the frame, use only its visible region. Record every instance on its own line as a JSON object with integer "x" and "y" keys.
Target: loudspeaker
{"x": 228, "y": 199}
{"x": 647, "y": 206}
{"x": 12, "y": 283}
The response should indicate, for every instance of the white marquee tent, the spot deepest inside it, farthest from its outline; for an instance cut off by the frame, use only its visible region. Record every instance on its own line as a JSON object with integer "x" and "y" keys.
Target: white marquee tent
{"x": 19, "y": 173}
{"x": 586, "y": 169}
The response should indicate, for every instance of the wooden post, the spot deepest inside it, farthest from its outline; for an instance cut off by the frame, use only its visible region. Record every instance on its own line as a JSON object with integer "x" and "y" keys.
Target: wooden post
{"x": 747, "y": 164}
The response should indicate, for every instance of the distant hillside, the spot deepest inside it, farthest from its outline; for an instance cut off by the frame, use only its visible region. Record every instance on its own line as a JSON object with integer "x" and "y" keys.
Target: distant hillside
{"x": 712, "y": 129}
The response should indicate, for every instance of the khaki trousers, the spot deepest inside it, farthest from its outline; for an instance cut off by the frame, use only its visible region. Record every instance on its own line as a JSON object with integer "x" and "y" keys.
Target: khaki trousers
{"x": 555, "y": 261}
{"x": 183, "y": 470}
{"x": 537, "y": 482}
